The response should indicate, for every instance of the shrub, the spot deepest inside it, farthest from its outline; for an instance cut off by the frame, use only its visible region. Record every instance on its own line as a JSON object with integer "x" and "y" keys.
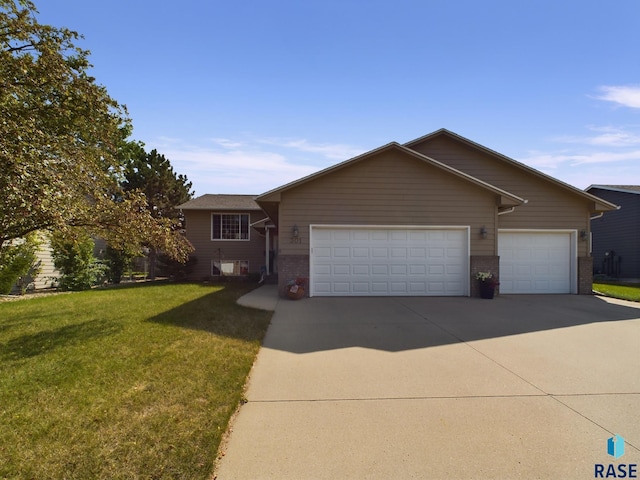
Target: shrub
{"x": 73, "y": 257}
{"x": 117, "y": 262}
{"x": 18, "y": 261}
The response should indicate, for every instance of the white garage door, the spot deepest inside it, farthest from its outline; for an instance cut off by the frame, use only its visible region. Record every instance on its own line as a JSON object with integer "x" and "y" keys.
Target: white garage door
{"x": 384, "y": 261}
{"x": 535, "y": 262}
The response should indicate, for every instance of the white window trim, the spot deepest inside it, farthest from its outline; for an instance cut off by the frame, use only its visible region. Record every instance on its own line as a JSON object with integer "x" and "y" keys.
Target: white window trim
{"x": 248, "y": 239}
{"x": 239, "y": 262}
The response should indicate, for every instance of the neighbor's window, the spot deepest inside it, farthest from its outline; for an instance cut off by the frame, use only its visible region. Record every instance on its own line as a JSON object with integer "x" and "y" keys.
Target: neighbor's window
{"x": 230, "y": 227}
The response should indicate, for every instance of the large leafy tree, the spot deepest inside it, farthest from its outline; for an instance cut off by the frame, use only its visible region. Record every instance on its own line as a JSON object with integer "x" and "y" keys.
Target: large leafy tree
{"x": 60, "y": 138}
{"x": 152, "y": 174}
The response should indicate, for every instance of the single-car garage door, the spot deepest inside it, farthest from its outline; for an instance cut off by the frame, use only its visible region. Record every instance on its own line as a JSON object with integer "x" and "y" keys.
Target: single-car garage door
{"x": 389, "y": 261}
{"x": 535, "y": 262}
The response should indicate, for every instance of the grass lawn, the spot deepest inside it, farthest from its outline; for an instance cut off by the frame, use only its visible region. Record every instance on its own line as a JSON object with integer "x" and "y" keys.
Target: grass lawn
{"x": 131, "y": 382}
{"x": 624, "y": 292}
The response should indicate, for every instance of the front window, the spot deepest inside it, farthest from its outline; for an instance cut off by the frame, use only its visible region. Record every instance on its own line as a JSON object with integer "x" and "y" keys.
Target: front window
{"x": 230, "y": 267}
{"x": 230, "y": 227}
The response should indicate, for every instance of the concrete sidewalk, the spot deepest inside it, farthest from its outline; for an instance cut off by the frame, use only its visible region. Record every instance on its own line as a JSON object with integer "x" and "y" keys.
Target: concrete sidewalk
{"x": 264, "y": 297}
{"x": 517, "y": 387}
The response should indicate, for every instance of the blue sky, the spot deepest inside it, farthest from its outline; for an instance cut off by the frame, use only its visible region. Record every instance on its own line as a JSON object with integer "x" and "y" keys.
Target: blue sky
{"x": 245, "y": 96}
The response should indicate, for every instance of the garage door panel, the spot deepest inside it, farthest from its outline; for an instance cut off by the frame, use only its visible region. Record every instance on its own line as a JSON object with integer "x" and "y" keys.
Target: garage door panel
{"x": 398, "y": 269}
{"x": 342, "y": 269}
{"x": 454, "y": 270}
{"x": 380, "y": 269}
{"x": 361, "y": 270}
{"x": 380, "y": 252}
{"x": 535, "y": 262}
{"x": 417, "y": 269}
{"x": 364, "y": 261}
{"x": 399, "y": 252}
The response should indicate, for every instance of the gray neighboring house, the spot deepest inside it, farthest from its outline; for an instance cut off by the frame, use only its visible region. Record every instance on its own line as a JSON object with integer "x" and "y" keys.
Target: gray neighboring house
{"x": 616, "y": 235}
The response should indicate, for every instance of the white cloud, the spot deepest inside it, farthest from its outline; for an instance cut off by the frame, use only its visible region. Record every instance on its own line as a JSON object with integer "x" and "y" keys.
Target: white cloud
{"x": 556, "y": 160}
{"x": 628, "y": 96}
{"x": 336, "y": 151}
{"x": 236, "y": 170}
{"x": 249, "y": 164}
{"x": 605, "y": 137}
{"x": 227, "y": 143}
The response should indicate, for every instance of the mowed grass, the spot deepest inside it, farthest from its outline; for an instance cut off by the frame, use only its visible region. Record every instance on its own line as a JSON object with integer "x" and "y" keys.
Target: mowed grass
{"x": 123, "y": 383}
{"x": 622, "y": 291}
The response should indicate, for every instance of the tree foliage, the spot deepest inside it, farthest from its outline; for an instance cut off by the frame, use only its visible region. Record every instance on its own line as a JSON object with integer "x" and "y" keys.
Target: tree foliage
{"x": 73, "y": 258}
{"x": 18, "y": 260}
{"x": 61, "y": 140}
{"x": 152, "y": 174}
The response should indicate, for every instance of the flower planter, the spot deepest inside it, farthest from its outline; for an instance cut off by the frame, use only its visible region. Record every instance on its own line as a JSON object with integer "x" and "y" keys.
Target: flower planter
{"x": 295, "y": 292}
{"x": 487, "y": 290}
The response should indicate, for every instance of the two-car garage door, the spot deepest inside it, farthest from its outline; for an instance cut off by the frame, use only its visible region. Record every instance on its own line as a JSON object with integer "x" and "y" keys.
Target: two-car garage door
{"x": 389, "y": 261}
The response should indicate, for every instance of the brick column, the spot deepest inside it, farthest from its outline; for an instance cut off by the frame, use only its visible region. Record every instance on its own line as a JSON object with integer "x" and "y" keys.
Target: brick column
{"x": 585, "y": 275}
{"x": 291, "y": 267}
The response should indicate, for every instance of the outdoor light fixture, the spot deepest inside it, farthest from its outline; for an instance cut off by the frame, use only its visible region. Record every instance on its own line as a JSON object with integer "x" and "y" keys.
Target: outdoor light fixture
{"x": 583, "y": 234}
{"x": 483, "y": 231}
{"x": 295, "y": 232}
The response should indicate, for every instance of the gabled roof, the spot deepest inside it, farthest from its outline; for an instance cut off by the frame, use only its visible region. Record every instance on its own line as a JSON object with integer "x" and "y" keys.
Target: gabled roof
{"x": 222, "y": 202}
{"x": 635, "y": 189}
{"x": 600, "y": 204}
{"x": 507, "y": 198}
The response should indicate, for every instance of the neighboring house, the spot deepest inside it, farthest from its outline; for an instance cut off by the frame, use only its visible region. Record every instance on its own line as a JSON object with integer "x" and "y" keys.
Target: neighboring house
{"x": 422, "y": 219}
{"x": 231, "y": 235}
{"x": 616, "y": 235}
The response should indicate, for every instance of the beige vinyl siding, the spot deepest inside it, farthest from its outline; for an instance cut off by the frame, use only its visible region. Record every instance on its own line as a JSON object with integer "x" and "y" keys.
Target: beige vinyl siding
{"x": 198, "y": 224}
{"x": 48, "y": 273}
{"x": 549, "y": 206}
{"x": 390, "y": 189}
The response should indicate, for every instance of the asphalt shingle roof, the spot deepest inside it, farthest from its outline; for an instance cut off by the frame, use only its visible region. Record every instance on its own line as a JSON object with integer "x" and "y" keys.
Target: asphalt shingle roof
{"x": 221, "y": 202}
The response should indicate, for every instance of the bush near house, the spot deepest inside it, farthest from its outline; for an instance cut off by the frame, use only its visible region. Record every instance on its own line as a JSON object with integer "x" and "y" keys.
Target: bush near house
{"x": 17, "y": 261}
{"x": 133, "y": 381}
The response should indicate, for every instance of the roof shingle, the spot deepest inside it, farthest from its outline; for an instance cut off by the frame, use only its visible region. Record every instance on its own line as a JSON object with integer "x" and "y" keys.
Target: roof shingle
{"x": 221, "y": 202}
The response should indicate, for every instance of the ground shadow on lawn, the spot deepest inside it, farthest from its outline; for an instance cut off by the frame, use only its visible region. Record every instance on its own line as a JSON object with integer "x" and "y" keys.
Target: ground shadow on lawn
{"x": 219, "y": 314}
{"x": 31, "y": 345}
{"x": 405, "y": 323}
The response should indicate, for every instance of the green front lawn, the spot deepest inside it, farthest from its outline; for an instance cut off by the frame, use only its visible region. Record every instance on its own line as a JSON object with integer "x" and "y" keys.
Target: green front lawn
{"x": 135, "y": 382}
{"x": 624, "y": 292}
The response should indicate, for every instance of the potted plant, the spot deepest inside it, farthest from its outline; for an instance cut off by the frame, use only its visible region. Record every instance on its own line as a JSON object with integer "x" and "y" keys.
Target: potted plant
{"x": 488, "y": 283}
{"x": 295, "y": 288}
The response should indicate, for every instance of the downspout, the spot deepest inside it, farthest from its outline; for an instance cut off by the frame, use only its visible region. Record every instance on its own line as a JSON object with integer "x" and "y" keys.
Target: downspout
{"x": 504, "y": 212}
{"x": 597, "y": 216}
{"x": 511, "y": 209}
{"x": 267, "y": 246}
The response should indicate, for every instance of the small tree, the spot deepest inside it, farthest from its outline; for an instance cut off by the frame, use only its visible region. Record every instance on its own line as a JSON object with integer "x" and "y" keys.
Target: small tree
{"x": 73, "y": 257}
{"x": 18, "y": 261}
{"x": 152, "y": 174}
{"x": 117, "y": 262}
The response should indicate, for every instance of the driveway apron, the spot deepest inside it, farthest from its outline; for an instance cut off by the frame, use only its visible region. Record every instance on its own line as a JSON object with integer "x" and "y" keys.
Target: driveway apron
{"x": 418, "y": 387}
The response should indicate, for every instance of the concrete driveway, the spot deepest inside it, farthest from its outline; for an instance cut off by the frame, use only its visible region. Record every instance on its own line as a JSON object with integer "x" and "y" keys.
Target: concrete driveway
{"x": 515, "y": 387}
